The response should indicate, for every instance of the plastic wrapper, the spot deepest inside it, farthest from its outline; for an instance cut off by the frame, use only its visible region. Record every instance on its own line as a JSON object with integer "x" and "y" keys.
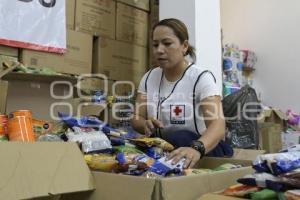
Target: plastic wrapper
{"x": 103, "y": 162}
{"x": 151, "y": 142}
{"x": 292, "y": 195}
{"x": 155, "y": 152}
{"x": 277, "y": 183}
{"x": 278, "y": 163}
{"x": 241, "y": 110}
{"x": 265, "y": 194}
{"x": 240, "y": 190}
{"x": 145, "y": 159}
{"x": 85, "y": 121}
{"x": 226, "y": 166}
{"x": 126, "y": 149}
{"x": 94, "y": 141}
{"x": 129, "y": 165}
{"x": 49, "y": 138}
{"x": 163, "y": 166}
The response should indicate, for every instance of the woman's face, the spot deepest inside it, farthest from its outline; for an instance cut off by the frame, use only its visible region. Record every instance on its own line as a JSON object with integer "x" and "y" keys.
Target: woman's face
{"x": 167, "y": 49}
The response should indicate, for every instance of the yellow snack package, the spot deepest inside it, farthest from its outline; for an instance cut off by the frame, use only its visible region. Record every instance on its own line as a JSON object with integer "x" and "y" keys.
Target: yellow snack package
{"x": 103, "y": 162}
{"x": 150, "y": 142}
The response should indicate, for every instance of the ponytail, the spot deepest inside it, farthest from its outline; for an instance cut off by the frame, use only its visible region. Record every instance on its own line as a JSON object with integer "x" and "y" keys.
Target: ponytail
{"x": 191, "y": 52}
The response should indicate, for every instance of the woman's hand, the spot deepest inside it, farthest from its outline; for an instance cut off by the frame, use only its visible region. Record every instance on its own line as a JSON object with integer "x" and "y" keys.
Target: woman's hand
{"x": 151, "y": 125}
{"x": 191, "y": 156}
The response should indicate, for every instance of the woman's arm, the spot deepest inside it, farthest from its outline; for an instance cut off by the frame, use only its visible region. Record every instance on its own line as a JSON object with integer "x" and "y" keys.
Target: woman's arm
{"x": 140, "y": 123}
{"x": 214, "y": 120}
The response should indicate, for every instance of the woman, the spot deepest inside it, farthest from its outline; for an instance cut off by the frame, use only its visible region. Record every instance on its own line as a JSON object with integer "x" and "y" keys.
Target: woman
{"x": 178, "y": 96}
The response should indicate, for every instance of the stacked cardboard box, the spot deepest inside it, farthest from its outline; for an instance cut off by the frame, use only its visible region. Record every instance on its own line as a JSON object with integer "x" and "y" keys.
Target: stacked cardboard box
{"x": 6, "y": 54}
{"x": 153, "y": 19}
{"x": 270, "y": 137}
{"x": 96, "y": 17}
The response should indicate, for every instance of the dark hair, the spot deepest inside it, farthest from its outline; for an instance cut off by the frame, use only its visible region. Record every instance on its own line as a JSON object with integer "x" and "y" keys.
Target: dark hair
{"x": 180, "y": 31}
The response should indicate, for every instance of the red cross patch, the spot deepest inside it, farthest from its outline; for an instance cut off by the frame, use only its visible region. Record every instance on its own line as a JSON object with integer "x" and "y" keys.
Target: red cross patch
{"x": 177, "y": 114}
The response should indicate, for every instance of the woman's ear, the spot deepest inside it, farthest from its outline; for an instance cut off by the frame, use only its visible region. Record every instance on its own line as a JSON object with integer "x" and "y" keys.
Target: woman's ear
{"x": 185, "y": 46}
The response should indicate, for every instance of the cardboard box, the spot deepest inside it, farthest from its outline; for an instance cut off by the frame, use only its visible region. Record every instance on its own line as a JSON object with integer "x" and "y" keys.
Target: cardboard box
{"x": 132, "y": 25}
{"x": 36, "y": 97}
{"x": 82, "y": 107}
{"x": 275, "y": 116}
{"x": 8, "y": 51}
{"x": 77, "y": 60}
{"x": 70, "y": 14}
{"x": 114, "y": 186}
{"x": 247, "y": 154}
{"x": 141, "y": 4}
{"x": 270, "y": 137}
{"x": 4, "y": 84}
{"x": 3, "y": 94}
{"x": 41, "y": 169}
{"x": 96, "y": 17}
{"x": 153, "y": 19}
{"x": 119, "y": 60}
{"x": 217, "y": 197}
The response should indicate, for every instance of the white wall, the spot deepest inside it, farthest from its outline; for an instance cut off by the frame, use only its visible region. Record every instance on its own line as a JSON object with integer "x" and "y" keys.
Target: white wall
{"x": 202, "y": 18}
{"x": 271, "y": 28}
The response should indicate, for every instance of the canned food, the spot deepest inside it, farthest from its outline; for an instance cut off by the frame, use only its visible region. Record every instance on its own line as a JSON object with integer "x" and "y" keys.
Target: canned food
{"x": 20, "y": 128}
{"x": 26, "y": 113}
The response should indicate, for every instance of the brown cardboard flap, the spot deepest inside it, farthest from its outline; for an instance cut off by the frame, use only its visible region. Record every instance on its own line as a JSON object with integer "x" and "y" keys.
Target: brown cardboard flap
{"x": 217, "y": 197}
{"x": 30, "y": 170}
{"x": 281, "y": 114}
{"x": 114, "y": 186}
{"x": 141, "y": 4}
{"x": 191, "y": 187}
{"x": 247, "y": 154}
{"x": 212, "y": 162}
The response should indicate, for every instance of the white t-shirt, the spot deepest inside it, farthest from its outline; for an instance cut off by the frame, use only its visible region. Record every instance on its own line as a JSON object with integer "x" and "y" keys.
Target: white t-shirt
{"x": 177, "y": 111}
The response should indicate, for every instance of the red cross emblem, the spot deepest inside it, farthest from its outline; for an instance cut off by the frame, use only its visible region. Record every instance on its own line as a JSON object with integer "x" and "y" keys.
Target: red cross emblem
{"x": 177, "y": 110}
{"x": 177, "y": 114}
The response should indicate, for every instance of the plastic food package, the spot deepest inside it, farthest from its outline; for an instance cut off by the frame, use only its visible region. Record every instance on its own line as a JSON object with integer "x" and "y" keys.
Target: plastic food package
{"x": 150, "y": 142}
{"x": 126, "y": 149}
{"x": 226, "y": 166}
{"x": 49, "y": 138}
{"x": 265, "y": 194}
{"x": 278, "y": 163}
{"x": 163, "y": 166}
{"x": 277, "y": 183}
{"x": 103, "y": 162}
{"x": 94, "y": 141}
{"x": 240, "y": 190}
{"x": 257, "y": 179}
{"x": 292, "y": 195}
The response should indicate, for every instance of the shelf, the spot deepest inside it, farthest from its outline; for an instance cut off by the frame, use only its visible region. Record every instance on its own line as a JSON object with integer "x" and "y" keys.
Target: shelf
{"x": 16, "y": 76}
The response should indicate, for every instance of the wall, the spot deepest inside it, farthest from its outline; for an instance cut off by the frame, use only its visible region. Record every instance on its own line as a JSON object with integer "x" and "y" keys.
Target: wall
{"x": 272, "y": 29}
{"x": 202, "y": 18}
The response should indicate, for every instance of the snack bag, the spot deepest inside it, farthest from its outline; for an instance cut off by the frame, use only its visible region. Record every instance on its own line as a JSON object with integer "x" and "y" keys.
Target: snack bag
{"x": 150, "y": 142}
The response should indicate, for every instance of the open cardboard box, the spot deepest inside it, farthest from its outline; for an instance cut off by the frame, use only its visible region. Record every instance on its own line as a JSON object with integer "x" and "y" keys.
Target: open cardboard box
{"x": 217, "y": 197}
{"x": 247, "y": 154}
{"x": 113, "y": 186}
{"x": 42, "y": 169}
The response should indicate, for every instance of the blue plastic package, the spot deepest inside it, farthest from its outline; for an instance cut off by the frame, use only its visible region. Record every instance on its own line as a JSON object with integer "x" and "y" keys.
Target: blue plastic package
{"x": 90, "y": 122}
{"x": 163, "y": 166}
{"x": 278, "y": 163}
